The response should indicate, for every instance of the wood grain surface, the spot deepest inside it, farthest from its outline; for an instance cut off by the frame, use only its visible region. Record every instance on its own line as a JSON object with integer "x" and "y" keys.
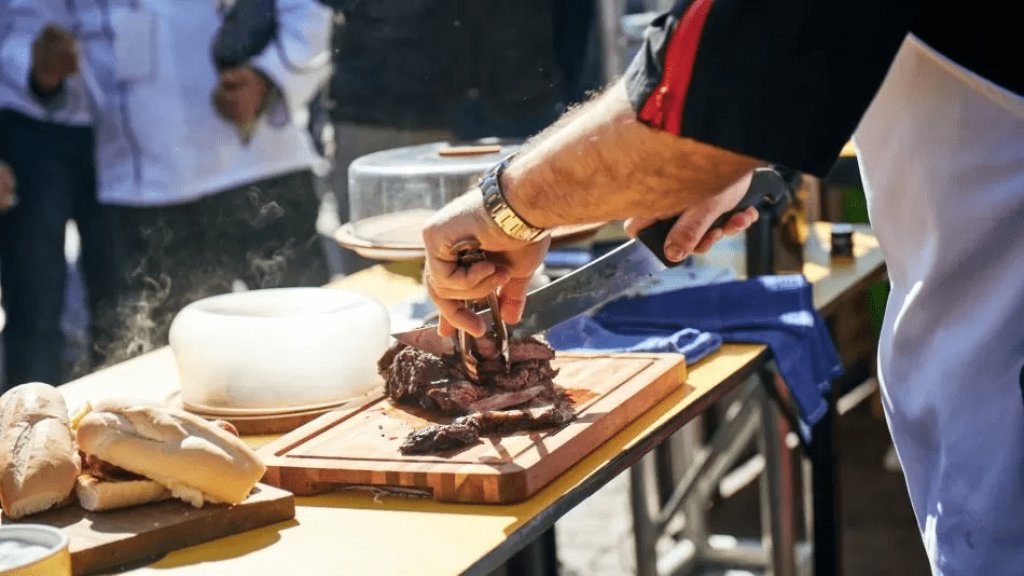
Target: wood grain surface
{"x": 100, "y": 541}
{"x": 359, "y": 446}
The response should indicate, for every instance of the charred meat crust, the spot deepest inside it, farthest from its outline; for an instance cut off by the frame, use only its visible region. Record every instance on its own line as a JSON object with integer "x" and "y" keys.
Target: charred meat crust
{"x": 467, "y": 430}
{"x": 416, "y": 378}
{"x": 439, "y": 437}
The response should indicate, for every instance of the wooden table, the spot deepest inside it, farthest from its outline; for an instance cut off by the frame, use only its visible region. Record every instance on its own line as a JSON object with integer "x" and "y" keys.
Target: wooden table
{"x": 357, "y": 532}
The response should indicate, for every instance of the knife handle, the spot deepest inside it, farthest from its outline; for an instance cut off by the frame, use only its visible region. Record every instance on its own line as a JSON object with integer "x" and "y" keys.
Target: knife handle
{"x": 764, "y": 189}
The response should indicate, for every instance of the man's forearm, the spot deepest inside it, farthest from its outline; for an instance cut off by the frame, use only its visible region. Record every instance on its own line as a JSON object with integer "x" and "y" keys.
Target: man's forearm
{"x": 600, "y": 163}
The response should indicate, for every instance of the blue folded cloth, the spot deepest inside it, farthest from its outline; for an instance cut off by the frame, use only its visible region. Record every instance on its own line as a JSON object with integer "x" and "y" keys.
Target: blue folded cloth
{"x": 585, "y": 334}
{"x": 774, "y": 310}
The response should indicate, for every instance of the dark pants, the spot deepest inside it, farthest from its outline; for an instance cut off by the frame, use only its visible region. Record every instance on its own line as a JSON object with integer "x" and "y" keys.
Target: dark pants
{"x": 56, "y": 176}
{"x": 263, "y": 234}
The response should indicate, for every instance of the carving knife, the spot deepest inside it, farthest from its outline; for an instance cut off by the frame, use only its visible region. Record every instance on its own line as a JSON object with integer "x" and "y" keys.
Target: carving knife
{"x": 602, "y": 279}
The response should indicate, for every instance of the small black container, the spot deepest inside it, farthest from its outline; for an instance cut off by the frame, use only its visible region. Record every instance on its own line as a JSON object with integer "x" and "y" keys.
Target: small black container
{"x": 842, "y": 241}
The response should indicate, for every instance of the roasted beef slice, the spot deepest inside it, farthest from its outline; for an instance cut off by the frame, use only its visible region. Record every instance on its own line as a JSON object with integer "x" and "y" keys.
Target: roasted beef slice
{"x": 414, "y": 377}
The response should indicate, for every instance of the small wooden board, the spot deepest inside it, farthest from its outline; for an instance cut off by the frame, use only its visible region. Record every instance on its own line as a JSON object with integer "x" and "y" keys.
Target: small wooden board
{"x": 100, "y": 541}
{"x": 358, "y": 446}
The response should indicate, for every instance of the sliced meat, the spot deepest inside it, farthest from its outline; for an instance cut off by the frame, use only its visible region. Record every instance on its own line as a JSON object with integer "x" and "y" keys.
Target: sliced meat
{"x": 524, "y": 375}
{"x": 529, "y": 349}
{"x": 414, "y": 377}
{"x": 456, "y": 397}
{"x": 386, "y": 360}
{"x": 412, "y": 373}
{"x": 521, "y": 350}
{"x": 439, "y": 437}
{"x": 107, "y": 471}
{"x": 503, "y": 400}
{"x": 486, "y": 347}
{"x": 508, "y": 421}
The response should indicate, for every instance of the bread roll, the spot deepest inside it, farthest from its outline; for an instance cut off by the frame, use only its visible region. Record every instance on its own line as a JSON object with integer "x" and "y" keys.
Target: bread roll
{"x": 197, "y": 461}
{"x": 38, "y": 460}
{"x": 95, "y": 495}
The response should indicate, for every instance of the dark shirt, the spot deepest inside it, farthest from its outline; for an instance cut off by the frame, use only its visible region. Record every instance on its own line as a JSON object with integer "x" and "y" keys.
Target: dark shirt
{"x": 492, "y": 67}
{"x": 788, "y": 81}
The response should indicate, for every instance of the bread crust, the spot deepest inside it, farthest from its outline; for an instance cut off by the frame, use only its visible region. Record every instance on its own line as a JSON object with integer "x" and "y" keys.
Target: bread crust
{"x": 38, "y": 459}
{"x": 96, "y": 495}
{"x": 181, "y": 451}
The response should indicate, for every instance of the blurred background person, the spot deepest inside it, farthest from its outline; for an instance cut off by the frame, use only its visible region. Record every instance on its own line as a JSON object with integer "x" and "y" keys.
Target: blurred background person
{"x": 209, "y": 171}
{"x": 408, "y": 72}
{"x": 47, "y": 140}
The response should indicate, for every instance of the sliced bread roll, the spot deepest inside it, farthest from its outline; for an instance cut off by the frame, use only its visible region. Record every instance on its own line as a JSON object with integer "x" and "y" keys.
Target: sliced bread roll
{"x": 196, "y": 460}
{"x": 38, "y": 459}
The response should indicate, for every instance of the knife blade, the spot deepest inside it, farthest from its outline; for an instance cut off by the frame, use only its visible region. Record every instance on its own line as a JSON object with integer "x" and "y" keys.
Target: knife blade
{"x": 602, "y": 279}
{"x": 571, "y": 295}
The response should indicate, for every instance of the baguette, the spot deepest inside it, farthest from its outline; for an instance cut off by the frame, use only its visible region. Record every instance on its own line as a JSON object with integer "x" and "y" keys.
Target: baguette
{"x": 38, "y": 459}
{"x": 96, "y": 495}
{"x": 194, "y": 459}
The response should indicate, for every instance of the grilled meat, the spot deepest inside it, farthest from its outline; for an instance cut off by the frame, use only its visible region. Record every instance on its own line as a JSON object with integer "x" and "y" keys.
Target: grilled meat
{"x": 107, "y": 471}
{"x": 414, "y": 377}
{"x": 507, "y": 421}
{"x": 439, "y": 437}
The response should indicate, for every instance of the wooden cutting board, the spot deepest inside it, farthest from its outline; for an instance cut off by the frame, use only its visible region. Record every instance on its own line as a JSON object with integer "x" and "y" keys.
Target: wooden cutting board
{"x": 358, "y": 446}
{"x": 103, "y": 540}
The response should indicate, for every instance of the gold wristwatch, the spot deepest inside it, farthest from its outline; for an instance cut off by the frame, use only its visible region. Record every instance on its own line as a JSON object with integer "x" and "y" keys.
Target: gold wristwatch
{"x": 498, "y": 209}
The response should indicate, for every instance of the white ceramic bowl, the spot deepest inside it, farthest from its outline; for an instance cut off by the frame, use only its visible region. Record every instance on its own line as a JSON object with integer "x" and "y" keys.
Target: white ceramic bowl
{"x": 278, "y": 350}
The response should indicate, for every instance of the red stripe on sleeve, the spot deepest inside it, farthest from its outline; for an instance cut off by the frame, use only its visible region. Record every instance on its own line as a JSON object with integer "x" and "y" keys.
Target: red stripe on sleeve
{"x": 664, "y": 106}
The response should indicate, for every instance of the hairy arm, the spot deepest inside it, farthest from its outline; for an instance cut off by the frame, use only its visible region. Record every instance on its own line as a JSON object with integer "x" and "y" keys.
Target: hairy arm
{"x": 600, "y": 163}
{"x": 597, "y": 163}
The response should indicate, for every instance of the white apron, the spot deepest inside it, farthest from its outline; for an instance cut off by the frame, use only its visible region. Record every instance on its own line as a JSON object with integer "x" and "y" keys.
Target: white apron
{"x": 942, "y": 158}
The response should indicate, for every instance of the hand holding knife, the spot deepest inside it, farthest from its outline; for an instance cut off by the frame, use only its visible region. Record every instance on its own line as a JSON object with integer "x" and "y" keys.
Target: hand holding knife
{"x": 604, "y": 278}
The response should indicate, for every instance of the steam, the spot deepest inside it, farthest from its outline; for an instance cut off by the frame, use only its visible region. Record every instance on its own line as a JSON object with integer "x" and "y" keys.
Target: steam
{"x": 153, "y": 297}
{"x": 264, "y": 212}
{"x": 139, "y": 318}
{"x": 268, "y": 266}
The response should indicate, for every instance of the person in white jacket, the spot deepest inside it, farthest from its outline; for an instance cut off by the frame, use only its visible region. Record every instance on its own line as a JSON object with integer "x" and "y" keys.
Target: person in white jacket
{"x": 210, "y": 172}
{"x": 46, "y": 137}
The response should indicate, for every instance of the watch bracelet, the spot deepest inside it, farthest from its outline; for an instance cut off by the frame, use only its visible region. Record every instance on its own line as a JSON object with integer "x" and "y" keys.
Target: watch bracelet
{"x": 498, "y": 209}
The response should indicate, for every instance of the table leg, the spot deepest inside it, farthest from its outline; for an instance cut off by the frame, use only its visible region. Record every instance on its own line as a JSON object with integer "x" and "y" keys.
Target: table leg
{"x": 645, "y": 533}
{"x": 827, "y": 534}
{"x": 777, "y": 494}
{"x": 538, "y": 558}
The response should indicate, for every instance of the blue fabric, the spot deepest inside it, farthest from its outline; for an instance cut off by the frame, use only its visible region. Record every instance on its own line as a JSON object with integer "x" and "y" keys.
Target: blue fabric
{"x": 585, "y": 334}
{"x": 774, "y": 310}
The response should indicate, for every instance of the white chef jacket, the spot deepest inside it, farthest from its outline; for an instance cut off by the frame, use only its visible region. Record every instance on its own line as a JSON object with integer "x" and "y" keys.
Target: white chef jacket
{"x": 159, "y": 140}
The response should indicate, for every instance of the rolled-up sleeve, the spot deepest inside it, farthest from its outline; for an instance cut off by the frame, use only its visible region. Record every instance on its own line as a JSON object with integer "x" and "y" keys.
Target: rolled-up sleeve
{"x": 785, "y": 82}
{"x": 298, "y": 61}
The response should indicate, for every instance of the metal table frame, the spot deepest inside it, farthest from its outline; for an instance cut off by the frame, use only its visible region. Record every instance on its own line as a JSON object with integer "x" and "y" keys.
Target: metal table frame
{"x": 530, "y": 550}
